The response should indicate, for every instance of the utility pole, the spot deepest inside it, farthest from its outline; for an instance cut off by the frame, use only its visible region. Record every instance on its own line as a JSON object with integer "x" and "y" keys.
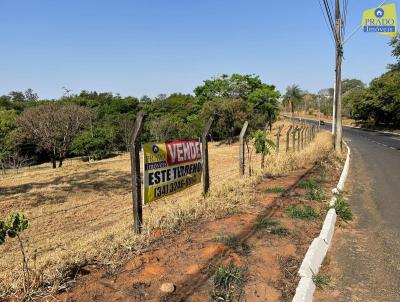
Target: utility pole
{"x": 338, "y": 85}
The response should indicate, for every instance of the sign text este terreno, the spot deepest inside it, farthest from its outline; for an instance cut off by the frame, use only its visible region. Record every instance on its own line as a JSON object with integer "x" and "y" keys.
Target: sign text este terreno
{"x": 170, "y": 167}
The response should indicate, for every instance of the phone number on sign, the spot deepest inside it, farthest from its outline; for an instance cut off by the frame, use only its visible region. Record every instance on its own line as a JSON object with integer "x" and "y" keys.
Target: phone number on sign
{"x": 173, "y": 187}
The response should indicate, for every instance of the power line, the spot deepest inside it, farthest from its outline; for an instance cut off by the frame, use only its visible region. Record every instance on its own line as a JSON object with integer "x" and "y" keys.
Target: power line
{"x": 330, "y": 17}
{"x": 326, "y": 21}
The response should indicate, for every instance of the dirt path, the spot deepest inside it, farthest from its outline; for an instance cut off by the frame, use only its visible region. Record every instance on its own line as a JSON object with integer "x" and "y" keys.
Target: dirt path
{"x": 268, "y": 262}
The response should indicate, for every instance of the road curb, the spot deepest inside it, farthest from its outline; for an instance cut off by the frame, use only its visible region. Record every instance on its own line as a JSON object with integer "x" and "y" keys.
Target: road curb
{"x": 305, "y": 290}
{"x": 328, "y": 228}
{"x": 313, "y": 258}
{"x": 345, "y": 172}
{"x": 319, "y": 247}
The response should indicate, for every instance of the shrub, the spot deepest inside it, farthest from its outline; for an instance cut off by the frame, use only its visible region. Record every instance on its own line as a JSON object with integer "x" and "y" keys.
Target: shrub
{"x": 301, "y": 212}
{"x": 343, "y": 209}
{"x": 228, "y": 282}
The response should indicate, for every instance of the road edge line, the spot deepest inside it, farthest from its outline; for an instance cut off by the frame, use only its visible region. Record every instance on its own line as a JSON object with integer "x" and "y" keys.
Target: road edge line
{"x": 319, "y": 247}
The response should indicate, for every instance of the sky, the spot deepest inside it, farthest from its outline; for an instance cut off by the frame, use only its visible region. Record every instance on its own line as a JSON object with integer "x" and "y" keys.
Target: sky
{"x": 157, "y": 46}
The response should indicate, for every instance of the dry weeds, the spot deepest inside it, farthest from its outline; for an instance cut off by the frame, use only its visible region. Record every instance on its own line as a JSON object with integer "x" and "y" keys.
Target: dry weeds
{"x": 81, "y": 213}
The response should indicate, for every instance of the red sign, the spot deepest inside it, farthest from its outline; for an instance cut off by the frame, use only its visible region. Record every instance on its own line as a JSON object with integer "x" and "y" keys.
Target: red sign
{"x": 183, "y": 151}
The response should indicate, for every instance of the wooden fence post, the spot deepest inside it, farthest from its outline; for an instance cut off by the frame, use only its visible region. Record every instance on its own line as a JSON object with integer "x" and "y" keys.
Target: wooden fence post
{"x": 298, "y": 138}
{"x": 135, "y": 173}
{"x": 278, "y": 138}
{"x": 302, "y": 138}
{"x": 288, "y": 138}
{"x": 294, "y": 138}
{"x": 241, "y": 150}
{"x": 204, "y": 155}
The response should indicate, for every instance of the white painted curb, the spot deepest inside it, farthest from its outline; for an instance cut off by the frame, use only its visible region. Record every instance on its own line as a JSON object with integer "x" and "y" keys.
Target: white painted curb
{"x": 345, "y": 172}
{"x": 305, "y": 290}
{"x": 328, "y": 228}
{"x": 319, "y": 246}
{"x": 313, "y": 259}
{"x": 332, "y": 202}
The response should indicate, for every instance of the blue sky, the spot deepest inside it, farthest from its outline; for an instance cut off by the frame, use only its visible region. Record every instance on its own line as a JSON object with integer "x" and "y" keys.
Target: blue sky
{"x": 151, "y": 47}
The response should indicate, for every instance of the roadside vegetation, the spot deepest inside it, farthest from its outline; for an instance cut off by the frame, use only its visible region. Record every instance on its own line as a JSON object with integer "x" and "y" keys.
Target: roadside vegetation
{"x": 342, "y": 208}
{"x": 96, "y": 125}
{"x": 301, "y": 212}
{"x": 375, "y": 105}
{"x": 80, "y": 191}
{"x": 228, "y": 282}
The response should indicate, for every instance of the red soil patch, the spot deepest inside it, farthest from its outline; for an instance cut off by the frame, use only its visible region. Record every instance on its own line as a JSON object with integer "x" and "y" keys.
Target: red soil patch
{"x": 189, "y": 261}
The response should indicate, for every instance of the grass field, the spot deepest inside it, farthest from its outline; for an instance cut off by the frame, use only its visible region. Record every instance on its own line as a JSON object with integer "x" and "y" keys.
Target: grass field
{"x": 81, "y": 213}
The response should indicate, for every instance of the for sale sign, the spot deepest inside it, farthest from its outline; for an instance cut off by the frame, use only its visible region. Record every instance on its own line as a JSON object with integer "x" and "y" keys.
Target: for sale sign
{"x": 170, "y": 167}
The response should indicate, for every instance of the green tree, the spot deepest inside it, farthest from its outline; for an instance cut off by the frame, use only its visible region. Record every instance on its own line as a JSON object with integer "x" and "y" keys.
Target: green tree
{"x": 265, "y": 101}
{"x": 262, "y": 144}
{"x": 351, "y": 85}
{"x": 228, "y": 86}
{"x": 395, "y": 43}
{"x": 229, "y": 116}
{"x": 95, "y": 144}
{"x": 292, "y": 97}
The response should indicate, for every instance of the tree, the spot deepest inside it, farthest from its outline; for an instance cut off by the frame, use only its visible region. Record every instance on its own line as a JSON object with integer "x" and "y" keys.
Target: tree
{"x": 265, "y": 101}
{"x": 234, "y": 86}
{"x": 351, "y": 84}
{"x": 395, "y": 43}
{"x": 53, "y": 126}
{"x": 262, "y": 144}
{"x": 96, "y": 144}
{"x": 379, "y": 103}
{"x": 292, "y": 97}
{"x": 30, "y": 96}
{"x": 229, "y": 116}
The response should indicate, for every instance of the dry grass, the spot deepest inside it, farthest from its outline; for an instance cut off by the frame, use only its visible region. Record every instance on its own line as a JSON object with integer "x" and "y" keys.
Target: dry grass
{"x": 82, "y": 213}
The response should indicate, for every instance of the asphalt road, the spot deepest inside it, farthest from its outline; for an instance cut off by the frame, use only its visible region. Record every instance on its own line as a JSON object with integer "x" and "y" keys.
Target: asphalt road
{"x": 367, "y": 256}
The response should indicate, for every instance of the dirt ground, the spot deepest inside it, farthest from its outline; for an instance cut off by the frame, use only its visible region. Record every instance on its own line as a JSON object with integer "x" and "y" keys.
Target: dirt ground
{"x": 189, "y": 258}
{"x": 81, "y": 214}
{"x": 73, "y": 208}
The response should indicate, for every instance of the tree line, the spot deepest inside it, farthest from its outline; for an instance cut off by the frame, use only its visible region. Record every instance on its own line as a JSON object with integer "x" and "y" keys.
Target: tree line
{"x": 376, "y": 104}
{"x": 95, "y": 125}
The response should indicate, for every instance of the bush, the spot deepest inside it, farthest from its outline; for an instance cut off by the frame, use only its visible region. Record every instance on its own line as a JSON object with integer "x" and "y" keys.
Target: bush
{"x": 343, "y": 209}
{"x": 301, "y": 212}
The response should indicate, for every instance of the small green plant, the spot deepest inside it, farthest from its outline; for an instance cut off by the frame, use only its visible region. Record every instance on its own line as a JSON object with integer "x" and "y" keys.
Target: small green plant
{"x": 262, "y": 144}
{"x": 234, "y": 243}
{"x": 228, "y": 283}
{"x": 301, "y": 212}
{"x": 321, "y": 281}
{"x": 275, "y": 190}
{"x": 12, "y": 227}
{"x": 279, "y": 231}
{"x": 342, "y": 208}
{"x": 309, "y": 184}
{"x": 315, "y": 195}
{"x": 265, "y": 223}
{"x": 271, "y": 226}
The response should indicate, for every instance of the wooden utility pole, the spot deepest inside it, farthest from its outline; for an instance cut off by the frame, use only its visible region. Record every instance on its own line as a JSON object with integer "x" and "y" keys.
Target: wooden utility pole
{"x": 204, "y": 147}
{"x": 338, "y": 83}
{"x": 135, "y": 173}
